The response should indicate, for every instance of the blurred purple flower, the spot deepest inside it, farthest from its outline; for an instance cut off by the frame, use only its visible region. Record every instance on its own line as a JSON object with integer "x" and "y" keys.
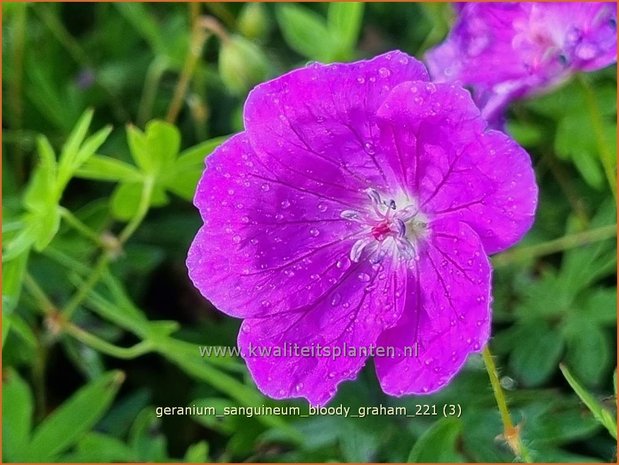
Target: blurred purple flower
{"x": 358, "y": 208}
{"x": 506, "y": 51}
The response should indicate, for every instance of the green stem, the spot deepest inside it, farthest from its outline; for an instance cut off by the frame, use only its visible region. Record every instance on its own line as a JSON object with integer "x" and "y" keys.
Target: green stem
{"x": 105, "y": 347}
{"x": 557, "y": 245}
{"x": 80, "y": 226}
{"x": 132, "y": 226}
{"x": 600, "y": 137}
{"x": 511, "y": 433}
{"x": 39, "y": 295}
{"x": 88, "y": 286}
{"x": 196, "y": 43}
{"x": 151, "y": 84}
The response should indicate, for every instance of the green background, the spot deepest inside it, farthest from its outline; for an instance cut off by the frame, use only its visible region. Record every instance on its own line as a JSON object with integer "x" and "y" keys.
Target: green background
{"x": 101, "y": 324}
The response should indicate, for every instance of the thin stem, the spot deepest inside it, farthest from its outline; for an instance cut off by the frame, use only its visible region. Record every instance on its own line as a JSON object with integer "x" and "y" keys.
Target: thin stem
{"x": 80, "y": 226}
{"x": 557, "y": 245}
{"x": 105, "y": 347}
{"x": 90, "y": 283}
{"x": 196, "y": 44}
{"x": 132, "y": 226}
{"x": 511, "y": 433}
{"x": 39, "y": 295}
{"x": 151, "y": 84}
{"x": 600, "y": 137}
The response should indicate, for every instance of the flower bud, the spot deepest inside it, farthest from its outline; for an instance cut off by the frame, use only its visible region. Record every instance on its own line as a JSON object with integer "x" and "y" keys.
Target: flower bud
{"x": 241, "y": 64}
{"x": 253, "y": 21}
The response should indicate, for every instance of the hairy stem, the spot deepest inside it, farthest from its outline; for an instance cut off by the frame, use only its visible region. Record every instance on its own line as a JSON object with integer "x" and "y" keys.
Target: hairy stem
{"x": 511, "y": 433}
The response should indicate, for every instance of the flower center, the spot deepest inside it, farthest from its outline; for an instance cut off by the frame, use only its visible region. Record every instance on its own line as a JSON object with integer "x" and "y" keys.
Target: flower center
{"x": 388, "y": 228}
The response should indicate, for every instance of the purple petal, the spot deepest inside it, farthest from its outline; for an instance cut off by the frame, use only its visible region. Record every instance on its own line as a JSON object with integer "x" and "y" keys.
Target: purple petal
{"x": 267, "y": 244}
{"x": 321, "y": 119}
{"x": 456, "y": 168}
{"x": 506, "y": 51}
{"x": 351, "y": 314}
{"x": 446, "y": 317}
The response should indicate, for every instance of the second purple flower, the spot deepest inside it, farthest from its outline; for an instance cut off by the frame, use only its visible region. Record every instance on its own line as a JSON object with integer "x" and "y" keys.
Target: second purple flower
{"x": 358, "y": 208}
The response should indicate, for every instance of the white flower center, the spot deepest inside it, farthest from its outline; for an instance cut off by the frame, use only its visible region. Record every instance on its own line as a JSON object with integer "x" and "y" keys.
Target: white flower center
{"x": 388, "y": 228}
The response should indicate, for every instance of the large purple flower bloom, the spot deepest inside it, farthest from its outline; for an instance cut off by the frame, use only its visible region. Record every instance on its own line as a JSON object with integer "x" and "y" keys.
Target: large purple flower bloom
{"x": 357, "y": 209}
{"x": 507, "y": 51}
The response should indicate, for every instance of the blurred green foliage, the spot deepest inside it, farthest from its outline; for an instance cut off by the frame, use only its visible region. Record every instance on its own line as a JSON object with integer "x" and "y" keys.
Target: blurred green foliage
{"x": 109, "y": 112}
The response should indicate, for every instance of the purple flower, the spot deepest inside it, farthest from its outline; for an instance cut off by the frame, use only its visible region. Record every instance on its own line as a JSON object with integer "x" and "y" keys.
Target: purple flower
{"x": 357, "y": 210}
{"x": 506, "y": 51}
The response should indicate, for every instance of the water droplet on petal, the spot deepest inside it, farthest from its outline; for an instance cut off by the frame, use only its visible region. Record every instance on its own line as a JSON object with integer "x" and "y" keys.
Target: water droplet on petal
{"x": 285, "y": 203}
{"x": 322, "y": 207}
{"x": 314, "y": 232}
{"x": 336, "y": 299}
{"x": 384, "y": 72}
{"x": 364, "y": 277}
{"x": 265, "y": 187}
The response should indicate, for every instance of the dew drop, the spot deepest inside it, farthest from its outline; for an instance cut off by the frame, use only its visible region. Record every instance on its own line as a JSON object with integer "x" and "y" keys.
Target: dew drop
{"x": 336, "y": 299}
{"x": 265, "y": 187}
{"x": 236, "y": 238}
{"x": 322, "y": 207}
{"x": 384, "y": 72}
{"x": 364, "y": 277}
{"x": 285, "y": 203}
{"x": 314, "y": 232}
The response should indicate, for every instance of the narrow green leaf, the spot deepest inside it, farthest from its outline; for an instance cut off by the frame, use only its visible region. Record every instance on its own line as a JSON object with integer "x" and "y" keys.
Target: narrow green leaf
{"x": 305, "y": 31}
{"x": 103, "y": 168}
{"x": 17, "y": 409}
{"x": 48, "y": 224}
{"x": 139, "y": 148}
{"x": 196, "y": 155}
{"x": 600, "y": 413}
{"x": 6, "y": 327}
{"x": 71, "y": 147}
{"x": 67, "y": 424}
{"x": 12, "y": 279}
{"x": 147, "y": 443}
{"x": 41, "y": 192}
{"x": 438, "y": 443}
{"x": 98, "y": 448}
{"x": 90, "y": 146}
{"x": 344, "y": 21}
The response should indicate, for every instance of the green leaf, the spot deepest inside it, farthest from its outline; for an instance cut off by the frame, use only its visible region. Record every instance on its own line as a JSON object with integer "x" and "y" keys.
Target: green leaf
{"x": 588, "y": 351}
{"x": 163, "y": 141}
{"x": 438, "y": 443}
{"x": 98, "y": 448}
{"x": 127, "y": 197}
{"x": 139, "y": 148}
{"x": 305, "y": 31}
{"x": 537, "y": 353}
{"x": 344, "y": 20}
{"x": 71, "y": 149}
{"x": 41, "y": 193}
{"x": 600, "y": 413}
{"x": 12, "y": 278}
{"x": 155, "y": 150}
{"x": 197, "y": 453}
{"x": 17, "y": 409}
{"x": 68, "y": 423}
{"x": 103, "y": 168}
{"x": 600, "y": 307}
{"x": 145, "y": 438}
